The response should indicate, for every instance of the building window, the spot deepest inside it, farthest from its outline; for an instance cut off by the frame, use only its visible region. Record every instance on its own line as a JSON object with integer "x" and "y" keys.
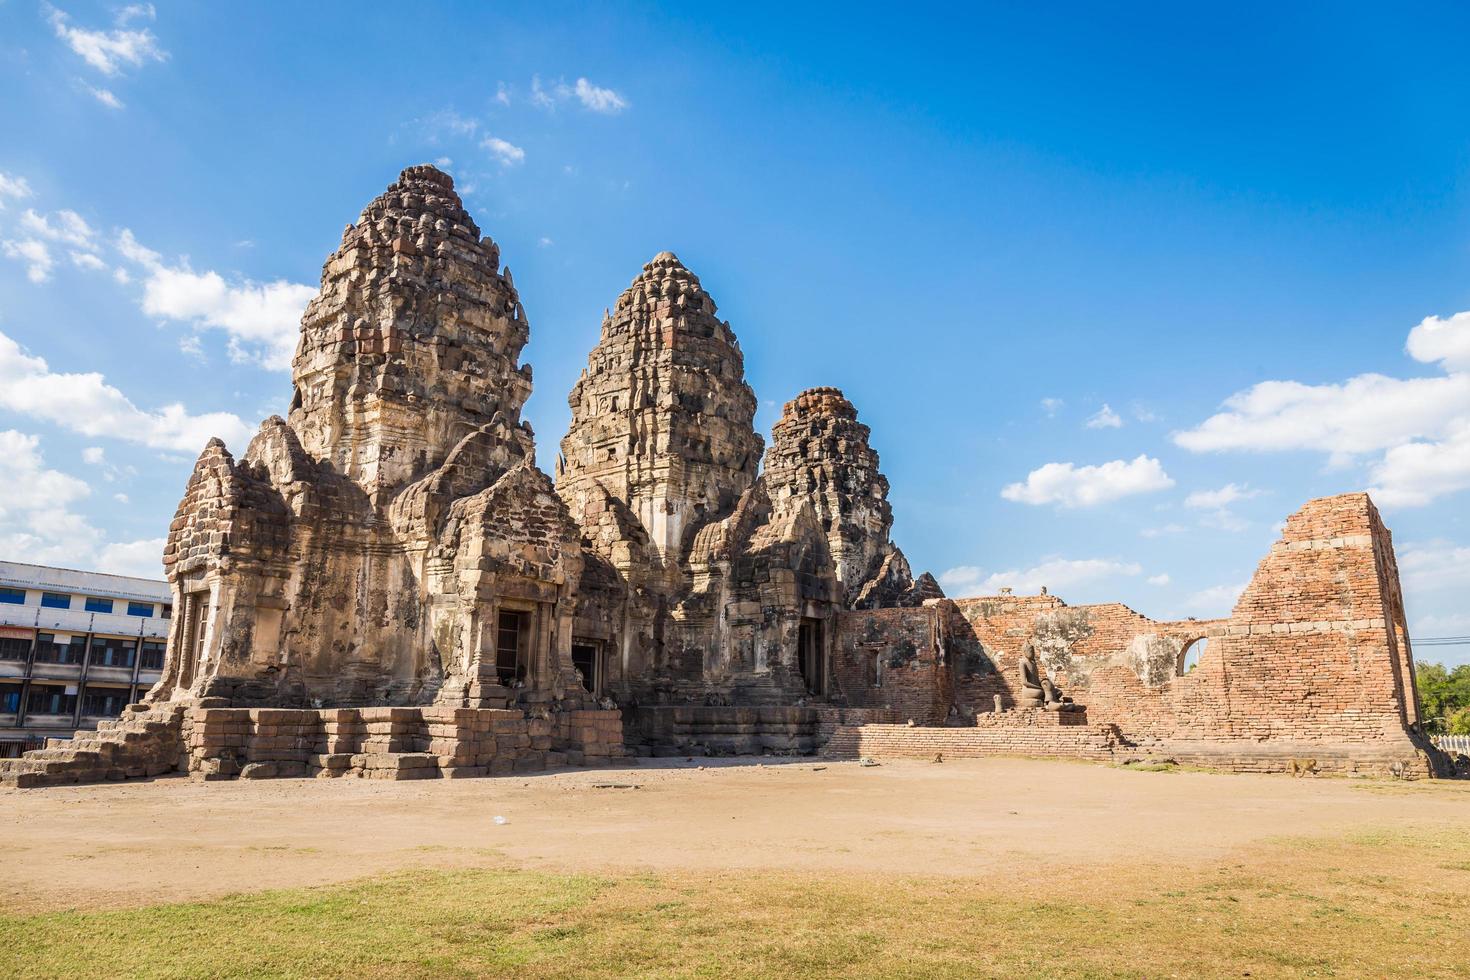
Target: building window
{"x": 509, "y": 664}
{"x": 140, "y": 609}
{"x": 104, "y": 702}
{"x": 14, "y": 648}
{"x": 9, "y": 698}
{"x": 49, "y": 650}
{"x": 51, "y": 701}
{"x": 55, "y": 600}
{"x": 168, "y": 611}
{"x": 95, "y": 604}
{"x": 152, "y": 657}
{"x": 16, "y": 597}
{"x": 587, "y": 658}
{"x": 110, "y": 652}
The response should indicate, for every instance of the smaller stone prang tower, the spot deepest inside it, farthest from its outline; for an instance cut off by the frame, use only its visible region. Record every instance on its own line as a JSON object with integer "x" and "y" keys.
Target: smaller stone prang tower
{"x": 819, "y": 452}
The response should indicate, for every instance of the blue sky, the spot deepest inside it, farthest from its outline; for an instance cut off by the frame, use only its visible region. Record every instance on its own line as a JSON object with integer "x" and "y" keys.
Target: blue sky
{"x": 1117, "y": 290}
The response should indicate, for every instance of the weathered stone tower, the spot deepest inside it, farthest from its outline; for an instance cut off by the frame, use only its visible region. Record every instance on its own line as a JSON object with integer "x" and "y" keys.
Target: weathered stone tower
{"x": 820, "y": 453}
{"x": 413, "y": 341}
{"x": 662, "y": 435}
{"x": 392, "y": 542}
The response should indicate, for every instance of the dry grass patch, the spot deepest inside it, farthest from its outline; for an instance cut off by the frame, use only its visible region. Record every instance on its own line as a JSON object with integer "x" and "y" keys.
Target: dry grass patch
{"x": 1384, "y": 904}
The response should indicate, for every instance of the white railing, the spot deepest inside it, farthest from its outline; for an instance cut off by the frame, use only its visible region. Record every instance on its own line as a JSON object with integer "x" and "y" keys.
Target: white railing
{"x": 1452, "y": 743}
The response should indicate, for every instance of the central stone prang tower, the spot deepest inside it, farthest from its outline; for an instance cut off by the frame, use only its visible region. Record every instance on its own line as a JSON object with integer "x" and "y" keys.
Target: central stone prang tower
{"x": 413, "y": 341}
{"x": 391, "y": 542}
{"x": 663, "y": 438}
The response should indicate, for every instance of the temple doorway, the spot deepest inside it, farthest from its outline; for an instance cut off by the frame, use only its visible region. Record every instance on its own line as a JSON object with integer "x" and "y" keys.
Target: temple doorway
{"x": 812, "y": 655}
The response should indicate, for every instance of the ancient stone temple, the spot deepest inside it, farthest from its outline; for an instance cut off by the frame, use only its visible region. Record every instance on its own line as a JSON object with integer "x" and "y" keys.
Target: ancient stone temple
{"x": 385, "y": 584}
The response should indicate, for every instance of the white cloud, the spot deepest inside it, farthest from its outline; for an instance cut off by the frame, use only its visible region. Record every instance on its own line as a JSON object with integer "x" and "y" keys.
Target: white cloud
{"x": 262, "y": 320}
{"x": 1069, "y": 485}
{"x": 1445, "y": 341}
{"x": 1364, "y": 414}
{"x": 86, "y": 404}
{"x": 121, "y": 498}
{"x": 1161, "y": 579}
{"x": 35, "y": 255}
{"x": 1105, "y": 418}
{"x": 1054, "y": 574}
{"x": 1159, "y": 532}
{"x": 37, "y": 523}
{"x": 1416, "y": 473}
{"x": 142, "y": 558}
{"x": 94, "y": 456}
{"x": 1421, "y": 426}
{"x": 507, "y": 153}
{"x": 136, "y": 11}
{"x": 592, "y": 97}
{"x": 104, "y": 96}
{"x": 544, "y": 242}
{"x": 1434, "y": 567}
{"x": 1051, "y": 406}
{"x": 502, "y": 93}
{"x": 13, "y": 187}
{"x": 86, "y": 260}
{"x": 109, "y": 51}
{"x": 69, "y": 227}
{"x": 1215, "y": 602}
{"x": 603, "y": 100}
{"x": 1223, "y": 497}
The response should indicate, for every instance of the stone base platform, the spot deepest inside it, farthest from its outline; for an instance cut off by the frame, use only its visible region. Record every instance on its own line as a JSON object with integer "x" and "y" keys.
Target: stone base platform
{"x": 1047, "y": 739}
{"x": 722, "y": 730}
{"x": 1043, "y": 734}
{"x": 394, "y": 743}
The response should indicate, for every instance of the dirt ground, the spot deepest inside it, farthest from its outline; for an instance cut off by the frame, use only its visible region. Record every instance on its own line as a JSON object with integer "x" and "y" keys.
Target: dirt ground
{"x": 997, "y": 819}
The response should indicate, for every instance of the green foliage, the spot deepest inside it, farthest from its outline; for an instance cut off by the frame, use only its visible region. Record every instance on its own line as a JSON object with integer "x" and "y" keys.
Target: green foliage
{"x": 1444, "y": 698}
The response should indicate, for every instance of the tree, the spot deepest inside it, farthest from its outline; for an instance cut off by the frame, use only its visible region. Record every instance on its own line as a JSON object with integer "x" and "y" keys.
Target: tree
{"x": 1444, "y": 698}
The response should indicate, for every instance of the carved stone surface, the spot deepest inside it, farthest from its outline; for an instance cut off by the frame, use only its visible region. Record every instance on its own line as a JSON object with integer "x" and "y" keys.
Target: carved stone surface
{"x": 820, "y": 453}
{"x": 662, "y": 437}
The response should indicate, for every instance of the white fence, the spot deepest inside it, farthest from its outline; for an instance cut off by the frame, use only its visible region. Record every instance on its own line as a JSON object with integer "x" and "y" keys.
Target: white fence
{"x": 1453, "y": 743}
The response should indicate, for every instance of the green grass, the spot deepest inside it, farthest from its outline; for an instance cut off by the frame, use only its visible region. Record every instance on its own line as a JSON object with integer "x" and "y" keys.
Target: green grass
{"x": 1386, "y": 904}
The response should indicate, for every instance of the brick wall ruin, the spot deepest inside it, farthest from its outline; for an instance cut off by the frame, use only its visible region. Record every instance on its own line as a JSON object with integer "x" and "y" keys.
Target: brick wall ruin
{"x": 1312, "y": 663}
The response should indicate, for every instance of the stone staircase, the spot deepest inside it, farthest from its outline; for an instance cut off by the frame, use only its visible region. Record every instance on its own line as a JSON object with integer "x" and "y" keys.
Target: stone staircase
{"x": 144, "y": 741}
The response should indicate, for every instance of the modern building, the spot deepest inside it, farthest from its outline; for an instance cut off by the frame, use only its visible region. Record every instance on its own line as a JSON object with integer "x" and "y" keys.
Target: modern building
{"x": 75, "y": 647}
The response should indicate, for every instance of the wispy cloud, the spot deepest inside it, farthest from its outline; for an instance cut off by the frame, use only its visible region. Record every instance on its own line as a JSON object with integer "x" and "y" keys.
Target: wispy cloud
{"x": 594, "y": 98}
{"x": 110, "y": 51}
{"x": 104, "y": 96}
{"x": 504, "y": 151}
{"x": 1105, "y": 418}
{"x": 1054, "y": 574}
{"x": 13, "y": 187}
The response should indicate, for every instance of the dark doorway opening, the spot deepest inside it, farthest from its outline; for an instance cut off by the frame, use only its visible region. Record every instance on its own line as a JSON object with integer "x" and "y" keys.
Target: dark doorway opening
{"x": 510, "y": 662}
{"x": 812, "y": 655}
{"x": 587, "y": 657}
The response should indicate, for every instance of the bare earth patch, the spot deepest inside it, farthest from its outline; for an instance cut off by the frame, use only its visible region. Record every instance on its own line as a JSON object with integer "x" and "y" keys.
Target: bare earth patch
{"x": 803, "y": 866}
